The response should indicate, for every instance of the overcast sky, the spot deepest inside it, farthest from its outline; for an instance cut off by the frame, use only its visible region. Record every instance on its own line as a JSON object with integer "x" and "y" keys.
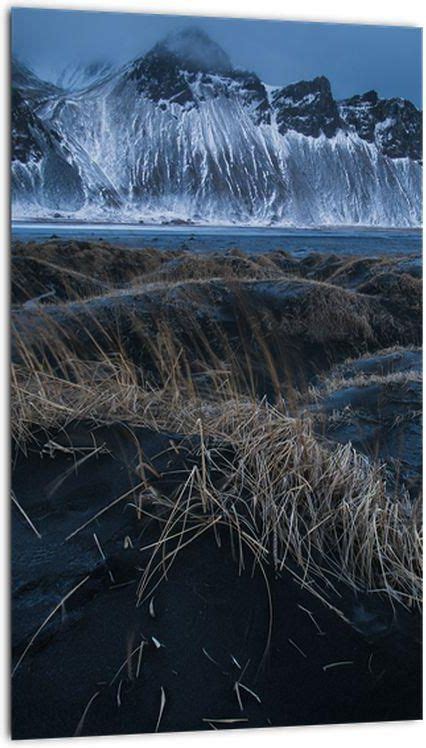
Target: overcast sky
{"x": 354, "y": 58}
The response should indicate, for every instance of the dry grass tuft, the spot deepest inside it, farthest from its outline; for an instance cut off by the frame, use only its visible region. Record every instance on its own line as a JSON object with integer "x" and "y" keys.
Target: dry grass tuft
{"x": 286, "y": 496}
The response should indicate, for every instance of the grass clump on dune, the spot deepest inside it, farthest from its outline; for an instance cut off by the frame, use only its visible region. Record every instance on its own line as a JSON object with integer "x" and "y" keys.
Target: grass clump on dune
{"x": 290, "y": 499}
{"x": 186, "y": 352}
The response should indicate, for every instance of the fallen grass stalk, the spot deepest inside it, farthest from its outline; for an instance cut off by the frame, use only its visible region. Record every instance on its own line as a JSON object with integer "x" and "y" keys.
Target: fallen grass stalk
{"x": 79, "y": 728}
{"x": 337, "y": 664}
{"x": 105, "y": 509}
{"x": 46, "y": 621}
{"x": 162, "y": 707}
{"x": 25, "y": 515}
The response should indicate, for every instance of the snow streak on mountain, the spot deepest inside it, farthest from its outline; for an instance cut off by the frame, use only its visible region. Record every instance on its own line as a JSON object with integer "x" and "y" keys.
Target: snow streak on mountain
{"x": 180, "y": 135}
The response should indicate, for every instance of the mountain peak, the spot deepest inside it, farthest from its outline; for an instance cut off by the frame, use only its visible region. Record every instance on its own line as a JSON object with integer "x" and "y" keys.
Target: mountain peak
{"x": 307, "y": 107}
{"x": 195, "y": 51}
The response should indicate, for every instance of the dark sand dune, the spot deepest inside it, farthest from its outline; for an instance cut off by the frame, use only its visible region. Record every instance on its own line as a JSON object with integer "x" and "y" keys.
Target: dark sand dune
{"x": 375, "y": 402}
{"x": 213, "y": 303}
{"x": 64, "y": 265}
{"x": 188, "y": 553}
{"x": 212, "y": 622}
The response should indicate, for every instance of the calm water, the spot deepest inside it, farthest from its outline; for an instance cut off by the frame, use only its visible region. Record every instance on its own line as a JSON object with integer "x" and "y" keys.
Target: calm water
{"x": 201, "y": 239}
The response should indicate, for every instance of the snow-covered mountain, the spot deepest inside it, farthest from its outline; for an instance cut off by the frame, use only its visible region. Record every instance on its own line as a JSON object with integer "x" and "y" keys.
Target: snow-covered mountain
{"x": 180, "y": 135}
{"x": 80, "y": 76}
{"x": 29, "y": 85}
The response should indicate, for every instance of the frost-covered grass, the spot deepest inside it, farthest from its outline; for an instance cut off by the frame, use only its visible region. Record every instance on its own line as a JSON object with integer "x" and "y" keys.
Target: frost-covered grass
{"x": 335, "y": 382}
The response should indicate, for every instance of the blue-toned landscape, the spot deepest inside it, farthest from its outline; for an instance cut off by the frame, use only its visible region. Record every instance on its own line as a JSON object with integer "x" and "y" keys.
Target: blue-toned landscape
{"x": 216, "y": 388}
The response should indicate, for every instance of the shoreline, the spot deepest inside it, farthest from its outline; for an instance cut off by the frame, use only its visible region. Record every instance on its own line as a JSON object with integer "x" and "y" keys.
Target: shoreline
{"x": 243, "y": 228}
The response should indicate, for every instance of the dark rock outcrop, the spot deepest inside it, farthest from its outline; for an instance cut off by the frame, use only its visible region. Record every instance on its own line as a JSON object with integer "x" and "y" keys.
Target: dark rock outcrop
{"x": 394, "y": 125}
{"x": 307, "y": 107}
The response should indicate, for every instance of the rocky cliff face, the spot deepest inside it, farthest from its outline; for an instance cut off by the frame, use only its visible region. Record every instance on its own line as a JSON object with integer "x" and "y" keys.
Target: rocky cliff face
{"x": 180, "y": 134}
{"x": 394, "y": 125}
{"x": 307, "y": 107}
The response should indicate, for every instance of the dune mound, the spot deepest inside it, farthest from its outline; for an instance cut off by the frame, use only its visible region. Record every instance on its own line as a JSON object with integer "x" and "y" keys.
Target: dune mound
{"x": 216, "y": 489}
